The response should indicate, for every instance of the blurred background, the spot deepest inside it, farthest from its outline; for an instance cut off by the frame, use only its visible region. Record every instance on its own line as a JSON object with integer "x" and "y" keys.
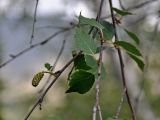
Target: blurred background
{"x": 16, "y": 92}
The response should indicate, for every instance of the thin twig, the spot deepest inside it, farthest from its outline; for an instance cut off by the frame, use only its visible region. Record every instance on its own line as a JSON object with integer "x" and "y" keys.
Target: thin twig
{"x": 26, "y": 50}
{"x": 96, "y": 107}
{"x": 54, "y": 65}
{"x": 121, "y": 63}
{"x": 120, "y": 105}
{"x": 143, "y": 4}
{"x": 121, "y": 5}
{"x": 34, "y": 22}
{"x": 13, "y": 57}
{"x": 58, "y": 73}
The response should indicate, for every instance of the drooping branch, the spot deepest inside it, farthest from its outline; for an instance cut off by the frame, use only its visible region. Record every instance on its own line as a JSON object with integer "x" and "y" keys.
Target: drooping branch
{"x": 121, "y": 63}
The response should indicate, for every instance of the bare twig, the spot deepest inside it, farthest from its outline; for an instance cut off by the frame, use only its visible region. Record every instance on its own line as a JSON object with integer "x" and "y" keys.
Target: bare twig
{"x": 28, "y": 49}
{"x": 96, "y": 107}
{"x": 13, "y": 57}
{"x": 120, "y": 105}
{"x": 141, "y": 5}
{"x": 121, "y": 63}
{"x": 58, "y": 73}
{"x": 134, "y": 7}
{"x": 121, "y": 5}
{"x": 54, "y": 65}
{"x": 34, "y": 21}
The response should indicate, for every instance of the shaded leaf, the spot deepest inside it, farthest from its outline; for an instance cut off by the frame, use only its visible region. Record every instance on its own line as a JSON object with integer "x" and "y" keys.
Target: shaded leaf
{"x": 81, "y": 81}
{"x": 84, "y": 42}
{"x": 133, "y": 36}
{"x": 47, "y": 66}
{"x": 108, "y": 30}
{"x": 89, "y": 21}
{"x": 128, "y": 47}
{"x": 122, "y": 12}
{"x": 139, "y": 62}
{"x": 80, "y": 63}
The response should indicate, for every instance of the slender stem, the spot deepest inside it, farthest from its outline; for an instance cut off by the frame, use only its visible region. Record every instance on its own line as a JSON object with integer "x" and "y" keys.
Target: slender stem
{"x": 58, "y": 73}
{"x": 120, "y": 105}
{"x": 49, "y": 72}
{"x": 121, "y": 4}
{"x": 34, "y": 21}
{"x": 96, "y": 107}
{"x": 54, "y": 65}
{"x": 121, "y": 63}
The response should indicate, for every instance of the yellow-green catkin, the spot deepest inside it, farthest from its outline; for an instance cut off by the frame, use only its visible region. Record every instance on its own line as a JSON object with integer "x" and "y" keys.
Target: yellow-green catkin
{"x": 37, "y": 78}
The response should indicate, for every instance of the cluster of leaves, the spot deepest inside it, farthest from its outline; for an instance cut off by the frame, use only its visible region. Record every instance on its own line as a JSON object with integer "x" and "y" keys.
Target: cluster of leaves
{"x": 85, "y": 65}
{"x": 85, "y": 70}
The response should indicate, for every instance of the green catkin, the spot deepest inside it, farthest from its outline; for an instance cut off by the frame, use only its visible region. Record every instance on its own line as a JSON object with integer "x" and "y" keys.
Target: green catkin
{"x": 37, "y": 78}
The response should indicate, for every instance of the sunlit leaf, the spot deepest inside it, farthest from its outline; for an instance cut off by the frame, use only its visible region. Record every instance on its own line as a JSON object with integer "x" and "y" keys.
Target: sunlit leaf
{"x": 128, "y": 47}
{"x": 89, "y": 21}
{"x": 81, "y": 81}
{"x": 122, "y": 12}
{"x": 84, "y": 42}
{"x": 133, "y": 36}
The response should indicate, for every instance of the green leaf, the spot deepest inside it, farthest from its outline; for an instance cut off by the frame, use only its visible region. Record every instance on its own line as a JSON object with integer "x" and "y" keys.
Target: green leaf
{"x": 47, "y": 66}
{"x": 89, "y": 21}
{"x": 139, "y": 62}
{"x": 80, "y": 63}
{"x": 84, "y": 42}
{"x": 90, "y": 61}
{"x": 128, "y": 47}
{"x": 121, "y": 12}
{"x": 108, "y": 30}
{"x": 81, "y": 81}
{"x": 133, "y": 36}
